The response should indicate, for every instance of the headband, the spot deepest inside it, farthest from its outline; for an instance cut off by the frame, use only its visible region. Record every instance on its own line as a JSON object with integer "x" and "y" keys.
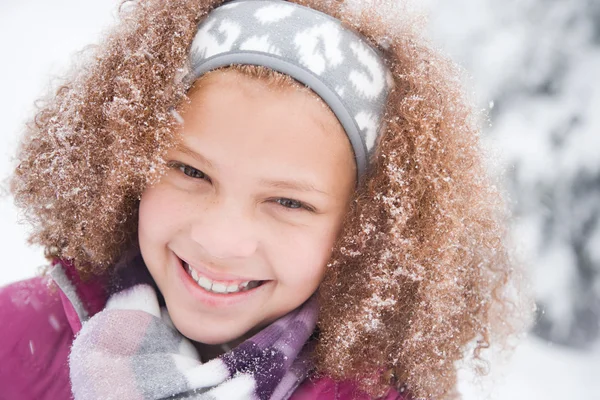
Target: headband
{"x": 312, "y": 47}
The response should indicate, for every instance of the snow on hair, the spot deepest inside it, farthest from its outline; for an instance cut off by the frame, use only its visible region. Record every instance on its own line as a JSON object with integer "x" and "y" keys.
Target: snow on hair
{"x": 421, "y": 269}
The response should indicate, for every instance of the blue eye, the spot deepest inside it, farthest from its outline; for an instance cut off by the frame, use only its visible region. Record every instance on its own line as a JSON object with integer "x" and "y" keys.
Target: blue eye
{"x": 292, "y": 204}
{"x": 289, "y": 203}
{"x": 189, "y": 171}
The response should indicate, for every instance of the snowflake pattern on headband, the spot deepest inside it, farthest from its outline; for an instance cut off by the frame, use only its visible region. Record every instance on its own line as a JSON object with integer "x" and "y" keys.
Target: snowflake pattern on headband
{"x": 338, "y": 64}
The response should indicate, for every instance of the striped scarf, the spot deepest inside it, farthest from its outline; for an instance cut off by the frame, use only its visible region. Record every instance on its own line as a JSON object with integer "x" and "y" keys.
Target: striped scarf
{"x": 131, "y": 350}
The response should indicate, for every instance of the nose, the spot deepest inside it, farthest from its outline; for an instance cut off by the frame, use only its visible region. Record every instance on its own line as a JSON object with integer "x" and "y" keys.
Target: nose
{"x": 224, "y": 230}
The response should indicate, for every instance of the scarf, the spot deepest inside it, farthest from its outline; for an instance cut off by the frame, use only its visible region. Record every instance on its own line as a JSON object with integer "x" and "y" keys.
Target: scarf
{"x": 131, "y": 350}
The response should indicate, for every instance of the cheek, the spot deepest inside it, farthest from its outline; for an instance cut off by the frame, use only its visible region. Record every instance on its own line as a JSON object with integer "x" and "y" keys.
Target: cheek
{"x": 303, "y": 256}
{"x": 149, "y": 212}
{"x": 159, "y": 215}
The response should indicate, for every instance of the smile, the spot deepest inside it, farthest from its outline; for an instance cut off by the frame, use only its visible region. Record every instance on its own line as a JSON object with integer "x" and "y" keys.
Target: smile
{"x": 220, "y": 287}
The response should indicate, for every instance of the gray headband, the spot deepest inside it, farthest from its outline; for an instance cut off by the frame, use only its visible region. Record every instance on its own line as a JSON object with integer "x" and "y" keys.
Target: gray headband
{"x": 310, "y": 46}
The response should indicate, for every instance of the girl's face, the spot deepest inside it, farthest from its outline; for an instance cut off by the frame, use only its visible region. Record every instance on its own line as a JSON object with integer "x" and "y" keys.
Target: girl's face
{"x": 239, "y": 230}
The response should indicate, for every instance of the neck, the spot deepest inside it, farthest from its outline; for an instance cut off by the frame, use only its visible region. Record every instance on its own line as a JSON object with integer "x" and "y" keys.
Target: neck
{"x": 208, "y": 352}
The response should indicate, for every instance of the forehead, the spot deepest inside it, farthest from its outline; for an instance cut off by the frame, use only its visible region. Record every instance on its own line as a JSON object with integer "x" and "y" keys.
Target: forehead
{"x": 235, "y": 119}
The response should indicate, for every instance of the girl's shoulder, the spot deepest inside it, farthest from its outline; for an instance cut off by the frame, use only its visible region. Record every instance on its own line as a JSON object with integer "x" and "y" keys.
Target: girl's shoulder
{"x": 324, "y": 388}
{"x": 36, "y": 338}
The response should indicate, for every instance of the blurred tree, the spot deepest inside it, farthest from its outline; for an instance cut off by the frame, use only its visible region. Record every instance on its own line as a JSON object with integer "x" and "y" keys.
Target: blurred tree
{"x": 537, "y": 63}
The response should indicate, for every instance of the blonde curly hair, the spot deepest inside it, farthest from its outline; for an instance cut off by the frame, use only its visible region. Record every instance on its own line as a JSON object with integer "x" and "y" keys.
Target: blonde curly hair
{"x": 421, "y": 269}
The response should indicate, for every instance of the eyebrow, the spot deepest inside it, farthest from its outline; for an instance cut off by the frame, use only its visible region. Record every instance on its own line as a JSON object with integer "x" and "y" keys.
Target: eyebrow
{"x": 292, "y": 184}
{"x": 199, "y": 157}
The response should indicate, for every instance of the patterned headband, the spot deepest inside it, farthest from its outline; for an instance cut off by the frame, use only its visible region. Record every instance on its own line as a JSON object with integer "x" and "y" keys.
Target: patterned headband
{"x": 310, "y": 46}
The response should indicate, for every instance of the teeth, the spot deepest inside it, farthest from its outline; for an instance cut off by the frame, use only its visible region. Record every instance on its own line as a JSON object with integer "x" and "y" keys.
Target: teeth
{"x": 204, "y": 282}
{"x": 194, "y": 275}
{"x": 217, "y": 287}
{"x": 232, "y": 289}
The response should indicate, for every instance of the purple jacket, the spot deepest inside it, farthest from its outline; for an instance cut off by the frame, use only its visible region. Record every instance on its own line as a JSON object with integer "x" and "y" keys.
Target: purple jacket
{"x": 39, "y": 323}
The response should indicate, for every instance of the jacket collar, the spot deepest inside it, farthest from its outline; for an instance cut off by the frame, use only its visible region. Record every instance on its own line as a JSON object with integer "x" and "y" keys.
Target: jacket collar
{"x": 83, "y": 297}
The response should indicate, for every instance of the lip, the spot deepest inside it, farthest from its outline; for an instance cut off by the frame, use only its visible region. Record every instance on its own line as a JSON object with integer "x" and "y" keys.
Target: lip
{"x": 214, "y": 276}
{"x": 215, "y": 299}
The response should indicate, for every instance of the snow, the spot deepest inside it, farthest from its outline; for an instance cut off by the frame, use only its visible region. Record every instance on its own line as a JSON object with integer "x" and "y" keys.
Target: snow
{"x": 534, "y": 64}
{"x": 539, "y": 370}
{"x": 38, "y": 40}
{"x": 535, "y": 74}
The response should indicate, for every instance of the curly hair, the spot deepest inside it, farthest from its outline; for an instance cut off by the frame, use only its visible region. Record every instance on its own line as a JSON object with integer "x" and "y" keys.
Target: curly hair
{"x": 421, "y": 269}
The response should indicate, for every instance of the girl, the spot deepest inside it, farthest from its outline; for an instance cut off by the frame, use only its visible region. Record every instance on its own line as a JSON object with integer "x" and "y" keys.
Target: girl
{"x": 256, "y": 199}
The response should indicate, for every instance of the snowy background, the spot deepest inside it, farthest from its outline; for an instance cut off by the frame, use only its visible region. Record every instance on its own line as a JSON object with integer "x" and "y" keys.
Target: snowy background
{"x": 534, "y": 66}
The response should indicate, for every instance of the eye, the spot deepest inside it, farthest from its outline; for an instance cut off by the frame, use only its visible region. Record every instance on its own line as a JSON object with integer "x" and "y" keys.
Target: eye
{"x": 189, "y": 171}
{"x": 293, "y": 204}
